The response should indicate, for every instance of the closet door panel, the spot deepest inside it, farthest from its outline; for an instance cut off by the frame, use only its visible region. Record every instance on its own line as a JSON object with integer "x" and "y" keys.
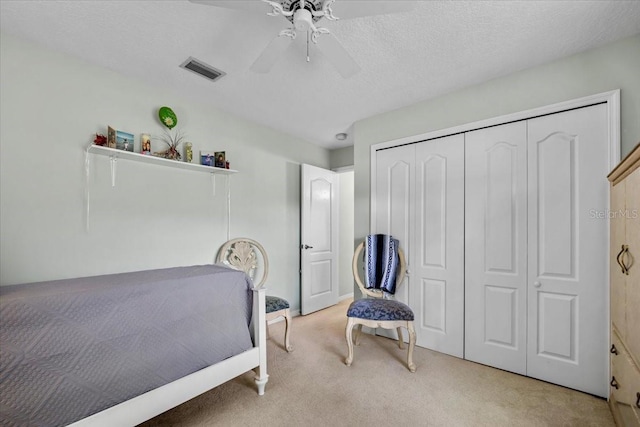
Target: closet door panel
{"x": 394, "y": 201}
{"x": 437, "y": 292}
{"x": 568, "y": 248}
{"x": 495, "y": 246}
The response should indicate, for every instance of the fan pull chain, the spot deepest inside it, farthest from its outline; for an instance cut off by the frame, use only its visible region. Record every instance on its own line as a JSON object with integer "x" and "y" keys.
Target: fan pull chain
{"x": 308, "y": 36}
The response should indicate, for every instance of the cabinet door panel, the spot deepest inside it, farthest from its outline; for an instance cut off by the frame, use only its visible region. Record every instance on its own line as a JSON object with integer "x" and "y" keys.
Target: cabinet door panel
{"x": 495, "y": 246}
{"x": 632, "y": 217}
{"x": 618, "y": 239}
{"x": 568, "y": 248}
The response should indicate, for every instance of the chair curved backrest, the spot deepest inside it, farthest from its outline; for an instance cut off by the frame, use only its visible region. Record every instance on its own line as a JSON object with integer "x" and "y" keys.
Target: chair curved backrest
{"x": 376, "y": 293}
{"x": 246, "y": 255}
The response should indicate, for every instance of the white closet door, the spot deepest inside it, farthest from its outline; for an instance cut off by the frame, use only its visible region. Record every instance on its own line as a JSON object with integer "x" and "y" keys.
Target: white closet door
{"x": 394, "y": 201}
{"x": 437, "y": 265}
{"x": 568, "y": 248}
{"x": 495, "y": 246}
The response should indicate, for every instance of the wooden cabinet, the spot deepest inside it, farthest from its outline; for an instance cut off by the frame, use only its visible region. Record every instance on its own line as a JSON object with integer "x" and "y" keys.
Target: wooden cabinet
{"x": 624, "y": 214}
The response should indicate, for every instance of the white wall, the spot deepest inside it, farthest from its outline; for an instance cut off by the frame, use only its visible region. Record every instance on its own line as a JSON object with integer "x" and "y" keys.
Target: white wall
{"x": 341, "y": 157}
{"x": 614, "y": 66}
{"x": 345, "y": 274}
{"x": 51, "y": 105}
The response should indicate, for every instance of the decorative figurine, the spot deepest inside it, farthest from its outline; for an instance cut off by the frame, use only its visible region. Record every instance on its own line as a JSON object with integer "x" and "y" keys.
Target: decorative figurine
{"x": 188, "y": 152}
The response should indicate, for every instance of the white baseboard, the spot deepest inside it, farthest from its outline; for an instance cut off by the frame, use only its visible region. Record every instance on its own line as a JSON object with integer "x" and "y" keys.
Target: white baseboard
{"x": 295, "y": 313}
{"x": 346, "y": 296}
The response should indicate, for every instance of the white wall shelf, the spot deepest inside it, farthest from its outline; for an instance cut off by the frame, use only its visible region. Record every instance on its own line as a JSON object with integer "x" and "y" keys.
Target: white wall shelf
{"x": 129, "y": 155}
{"x": 114, "y": 155}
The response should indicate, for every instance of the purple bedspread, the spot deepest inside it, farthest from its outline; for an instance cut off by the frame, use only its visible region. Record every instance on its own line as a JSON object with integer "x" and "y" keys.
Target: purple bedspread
{"x": 71, "y": 348}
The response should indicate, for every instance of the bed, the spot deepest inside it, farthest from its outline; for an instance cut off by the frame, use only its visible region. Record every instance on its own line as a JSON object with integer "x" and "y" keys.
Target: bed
{"x": 119, "y": 349}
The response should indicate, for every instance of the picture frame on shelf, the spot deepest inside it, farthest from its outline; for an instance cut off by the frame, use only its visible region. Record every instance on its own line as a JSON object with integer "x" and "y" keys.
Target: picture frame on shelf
{"x": 124, "y": 141}
{"x": 145, "y": 144}
{"x": 220, "y": 159}
{"x": 207, "y": 158}
{"x": 111, "y": 137}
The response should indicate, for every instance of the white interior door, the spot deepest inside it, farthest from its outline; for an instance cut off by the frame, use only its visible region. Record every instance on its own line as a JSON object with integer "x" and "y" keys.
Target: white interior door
{"x": 437, "y": 265}
{"x": 568, "y": 248}
{"x": 319, "y": 235}
{"x": 495, "y": 246}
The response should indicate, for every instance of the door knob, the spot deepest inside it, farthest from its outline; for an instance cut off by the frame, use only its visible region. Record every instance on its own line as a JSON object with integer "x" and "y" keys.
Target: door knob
{"x": 537, "y": 284}
{"x": 307, "y": 247}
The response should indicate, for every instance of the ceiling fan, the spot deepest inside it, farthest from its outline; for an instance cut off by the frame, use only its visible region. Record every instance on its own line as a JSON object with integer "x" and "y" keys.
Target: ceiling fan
{"x": 303, "y": 15}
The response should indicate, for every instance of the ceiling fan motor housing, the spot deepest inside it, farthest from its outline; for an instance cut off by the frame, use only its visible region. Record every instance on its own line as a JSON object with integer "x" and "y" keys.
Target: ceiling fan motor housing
{"x": 302, "y": 20}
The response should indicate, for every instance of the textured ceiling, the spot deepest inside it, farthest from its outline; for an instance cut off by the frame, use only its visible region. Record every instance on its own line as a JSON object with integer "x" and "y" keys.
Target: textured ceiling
{"x": 405, "y": 58}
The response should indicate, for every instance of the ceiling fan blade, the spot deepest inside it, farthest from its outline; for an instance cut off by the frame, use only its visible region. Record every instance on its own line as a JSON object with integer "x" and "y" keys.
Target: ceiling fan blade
{"x": 348, "y": 9}
{"x": 271, "y": 54}
{"x": 338, "y": 56}
{"x": 248, "y": 5}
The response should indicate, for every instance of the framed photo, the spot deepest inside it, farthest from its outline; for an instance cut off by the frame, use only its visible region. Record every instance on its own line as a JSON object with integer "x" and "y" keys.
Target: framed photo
{"x": 145, "y": 143}
{"x": 124, "y": 140}
{"x": 207, "y": 158}
{"x": 220, "y": 161}
{"x": 111, "y": 137}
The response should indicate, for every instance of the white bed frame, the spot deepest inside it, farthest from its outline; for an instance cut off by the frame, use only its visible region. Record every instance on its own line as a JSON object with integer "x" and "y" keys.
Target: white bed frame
{"x": 146, "y": 406}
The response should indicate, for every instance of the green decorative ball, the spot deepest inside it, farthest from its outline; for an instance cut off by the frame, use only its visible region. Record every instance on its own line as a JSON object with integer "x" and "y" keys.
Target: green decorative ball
{"x": 167, "y": 117}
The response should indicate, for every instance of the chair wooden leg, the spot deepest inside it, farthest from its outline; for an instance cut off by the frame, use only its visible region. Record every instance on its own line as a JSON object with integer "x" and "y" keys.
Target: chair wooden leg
{"x": 358, "y": 333}
{"x": 412, "y": 344}
{"x": 400, "y": 338}
{"x": 349, "y": 337}
{"x": 287, "y": 331}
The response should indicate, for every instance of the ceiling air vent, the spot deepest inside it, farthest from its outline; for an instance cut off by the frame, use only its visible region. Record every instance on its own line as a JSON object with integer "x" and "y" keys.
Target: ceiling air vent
{"x": 205, "y": 70}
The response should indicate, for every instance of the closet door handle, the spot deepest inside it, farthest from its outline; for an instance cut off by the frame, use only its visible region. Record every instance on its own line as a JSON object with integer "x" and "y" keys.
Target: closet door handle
{"x": 614, "y": 383}
{"x": 613, "y": 350}
{"x": 618, "y": 258}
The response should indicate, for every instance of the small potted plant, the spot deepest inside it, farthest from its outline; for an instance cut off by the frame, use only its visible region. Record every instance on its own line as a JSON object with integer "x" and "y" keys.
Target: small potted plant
{"x": 172, "y": 139}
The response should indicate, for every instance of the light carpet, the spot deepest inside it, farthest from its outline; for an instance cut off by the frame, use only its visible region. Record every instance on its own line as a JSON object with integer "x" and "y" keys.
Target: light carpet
{"x": 313, "y": 387}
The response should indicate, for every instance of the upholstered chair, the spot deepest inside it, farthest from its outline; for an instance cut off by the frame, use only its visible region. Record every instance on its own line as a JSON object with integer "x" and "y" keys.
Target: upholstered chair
{"x": 378, "y": 309}
{"x": 249, "y": 256}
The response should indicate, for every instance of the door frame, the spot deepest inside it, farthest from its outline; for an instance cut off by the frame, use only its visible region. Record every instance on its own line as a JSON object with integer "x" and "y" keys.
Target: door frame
{"x": 611, "y": 98}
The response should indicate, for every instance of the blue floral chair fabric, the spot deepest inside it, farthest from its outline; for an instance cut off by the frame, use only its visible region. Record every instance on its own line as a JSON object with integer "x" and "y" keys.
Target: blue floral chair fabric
{"x": 249, "y": 256}
{"x": 276, "y": 304}
{"x": 378, "y": 309}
